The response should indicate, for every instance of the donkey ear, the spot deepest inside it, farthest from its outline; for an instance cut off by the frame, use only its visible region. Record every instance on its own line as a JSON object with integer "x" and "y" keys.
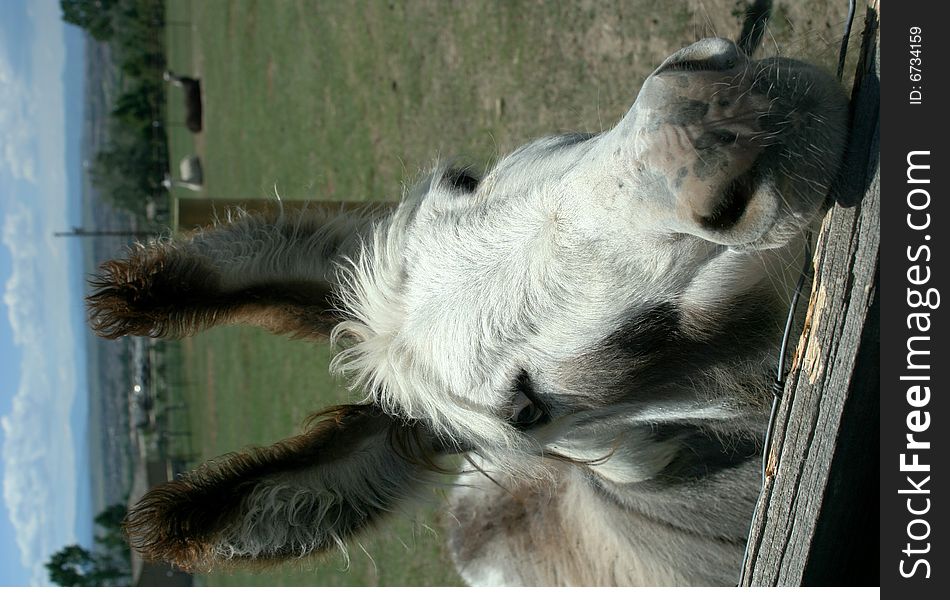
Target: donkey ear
{"x": 273, "y": 271}
{"x": 301, "y": 496}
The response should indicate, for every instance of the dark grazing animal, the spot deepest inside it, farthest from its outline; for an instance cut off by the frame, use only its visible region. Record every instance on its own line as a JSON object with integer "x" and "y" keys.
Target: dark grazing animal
{"x": 192, "y": 91}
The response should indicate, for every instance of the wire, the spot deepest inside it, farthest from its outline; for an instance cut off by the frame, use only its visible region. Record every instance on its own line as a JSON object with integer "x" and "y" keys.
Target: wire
{"x": 778, "y": 385}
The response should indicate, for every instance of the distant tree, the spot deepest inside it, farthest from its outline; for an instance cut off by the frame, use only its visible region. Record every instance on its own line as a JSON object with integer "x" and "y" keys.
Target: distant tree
{"x": 110, "y": 523}
{"x": 95, "y": 16}
{"x": 74, "y": 566}
{"x": 128, "y": 170}
{"x": 140, "y": 105}
{"x": 112, "y": 516}
{"x": 138, "y": 42}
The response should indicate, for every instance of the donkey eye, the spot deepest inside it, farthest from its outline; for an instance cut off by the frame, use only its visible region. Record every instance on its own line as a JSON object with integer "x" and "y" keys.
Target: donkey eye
{"x": 462, "y": 180}
{"x": 527, "y": 409}
{"x": 528, "y": 416}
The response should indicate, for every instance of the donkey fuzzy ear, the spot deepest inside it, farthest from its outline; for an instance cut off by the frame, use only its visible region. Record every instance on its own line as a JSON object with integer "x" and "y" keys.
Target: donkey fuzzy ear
{"x": 275, "y": 271}
{"x": 301, "y": 496}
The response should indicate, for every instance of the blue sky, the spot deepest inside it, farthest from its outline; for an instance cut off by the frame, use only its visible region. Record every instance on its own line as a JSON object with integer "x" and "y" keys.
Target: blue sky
{"x": 44, "y": 470}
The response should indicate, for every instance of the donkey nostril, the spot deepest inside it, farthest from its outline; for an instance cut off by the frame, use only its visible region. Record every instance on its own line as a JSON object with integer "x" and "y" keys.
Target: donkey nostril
{"x": 732, "y": 203}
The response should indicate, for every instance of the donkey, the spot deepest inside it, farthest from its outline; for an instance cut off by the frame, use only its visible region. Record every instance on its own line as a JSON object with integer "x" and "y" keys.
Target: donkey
{"x": 192, "y": 99}
{"x": 591, "y": 325}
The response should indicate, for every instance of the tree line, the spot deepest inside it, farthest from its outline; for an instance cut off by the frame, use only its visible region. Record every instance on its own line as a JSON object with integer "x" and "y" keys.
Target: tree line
{"x": 108, "y": 564}
{"x": 128, "y": 171}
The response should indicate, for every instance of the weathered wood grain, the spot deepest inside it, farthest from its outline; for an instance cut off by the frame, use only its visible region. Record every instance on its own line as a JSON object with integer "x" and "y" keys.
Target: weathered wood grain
{"x": 816, "y": 521}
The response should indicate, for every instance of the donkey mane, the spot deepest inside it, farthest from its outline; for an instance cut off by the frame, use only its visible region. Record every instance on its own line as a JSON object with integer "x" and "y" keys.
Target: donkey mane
{"x": 370, "y": 299}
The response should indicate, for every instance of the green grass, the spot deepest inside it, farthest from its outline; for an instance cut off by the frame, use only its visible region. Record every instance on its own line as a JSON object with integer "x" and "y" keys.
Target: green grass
{"x": 349, "y": 101}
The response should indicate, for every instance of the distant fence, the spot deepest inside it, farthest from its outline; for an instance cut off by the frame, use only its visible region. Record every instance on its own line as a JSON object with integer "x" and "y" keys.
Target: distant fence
{"x": 188, "y": 213}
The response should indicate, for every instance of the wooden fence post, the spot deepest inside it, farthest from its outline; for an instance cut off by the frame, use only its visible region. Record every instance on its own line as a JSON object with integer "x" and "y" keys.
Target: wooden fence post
{"x": 817, "y": 518}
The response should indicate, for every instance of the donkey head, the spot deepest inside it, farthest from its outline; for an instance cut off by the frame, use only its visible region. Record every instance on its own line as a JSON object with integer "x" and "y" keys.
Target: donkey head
{"x": 589, "y": 275}
{"x": 581, "y": 292}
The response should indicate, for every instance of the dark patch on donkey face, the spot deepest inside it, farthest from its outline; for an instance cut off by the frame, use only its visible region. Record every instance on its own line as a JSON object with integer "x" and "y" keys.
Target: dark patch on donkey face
{"x": 702, "y": 452}
{"x": 656, "y": 353}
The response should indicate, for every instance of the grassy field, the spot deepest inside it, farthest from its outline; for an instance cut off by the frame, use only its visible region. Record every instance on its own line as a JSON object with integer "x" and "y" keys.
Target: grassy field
{"x": 350, "y": 100}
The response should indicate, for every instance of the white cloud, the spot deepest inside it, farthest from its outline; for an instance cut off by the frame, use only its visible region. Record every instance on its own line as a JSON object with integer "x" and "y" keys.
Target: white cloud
{"x": 48, "y": 52}
{"x": 39, "y": 483}
{"x": 16, "y": 113}
{"x": 19, "y": 112}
